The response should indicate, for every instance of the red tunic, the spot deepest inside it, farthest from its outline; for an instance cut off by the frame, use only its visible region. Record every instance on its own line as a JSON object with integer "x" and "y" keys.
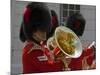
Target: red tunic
{"x": 34, "y": 60}
{"x": 76, "y": 63}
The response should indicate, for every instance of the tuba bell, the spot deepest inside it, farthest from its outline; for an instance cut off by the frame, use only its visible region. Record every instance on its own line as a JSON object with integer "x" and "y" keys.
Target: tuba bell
{"x": 65, "y": 42}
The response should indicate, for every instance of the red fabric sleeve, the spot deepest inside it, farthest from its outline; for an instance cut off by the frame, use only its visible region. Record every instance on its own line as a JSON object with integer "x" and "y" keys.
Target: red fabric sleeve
{"x": 89, "y": 53}
{"x": 76, "y": 63}
{"x": 31, "y": 63}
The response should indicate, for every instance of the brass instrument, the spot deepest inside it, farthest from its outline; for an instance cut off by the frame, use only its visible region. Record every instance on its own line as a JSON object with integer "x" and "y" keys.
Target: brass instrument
{"x": 65, "y": 42}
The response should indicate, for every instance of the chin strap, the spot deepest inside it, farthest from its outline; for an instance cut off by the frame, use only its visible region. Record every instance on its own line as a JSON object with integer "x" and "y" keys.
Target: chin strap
{"x": 48, "y": 53}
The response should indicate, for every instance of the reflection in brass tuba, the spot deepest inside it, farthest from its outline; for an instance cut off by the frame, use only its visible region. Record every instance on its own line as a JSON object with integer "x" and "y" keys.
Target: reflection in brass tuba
{"x": 65, "y": 42}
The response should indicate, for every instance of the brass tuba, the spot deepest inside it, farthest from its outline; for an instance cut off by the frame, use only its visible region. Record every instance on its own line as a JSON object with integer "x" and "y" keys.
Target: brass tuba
{"x": 65, "y": 42}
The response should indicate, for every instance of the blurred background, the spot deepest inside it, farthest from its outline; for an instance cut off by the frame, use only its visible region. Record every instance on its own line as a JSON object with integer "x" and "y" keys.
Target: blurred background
{"x": 62, "y": 11}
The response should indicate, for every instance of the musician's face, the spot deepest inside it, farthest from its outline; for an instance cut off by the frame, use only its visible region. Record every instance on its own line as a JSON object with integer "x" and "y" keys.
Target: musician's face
{"x": 39, "y": 35}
